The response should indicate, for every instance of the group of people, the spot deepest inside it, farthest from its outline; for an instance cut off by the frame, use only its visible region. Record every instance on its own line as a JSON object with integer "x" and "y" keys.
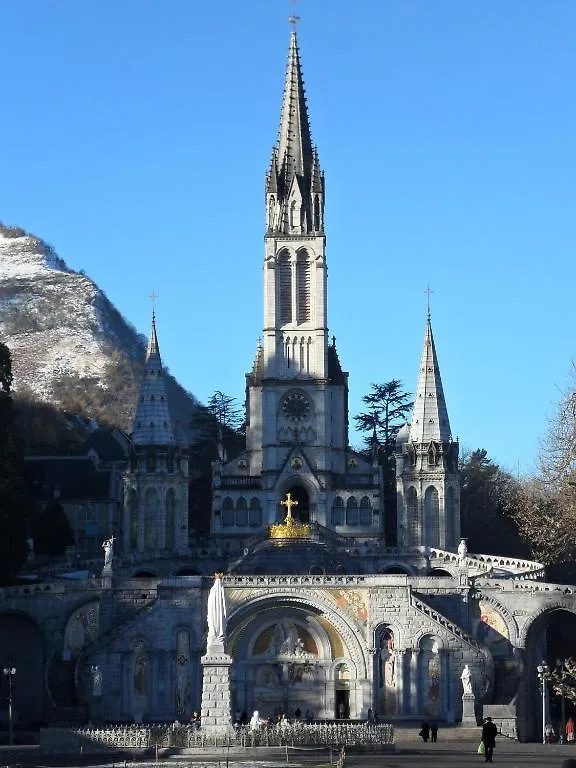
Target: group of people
{"x": 429, "y": 731}
{"x": 281, "y": 720}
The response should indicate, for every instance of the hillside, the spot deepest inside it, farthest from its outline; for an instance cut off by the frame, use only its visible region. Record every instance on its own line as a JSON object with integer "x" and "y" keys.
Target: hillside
{"x": 70, "y": 346}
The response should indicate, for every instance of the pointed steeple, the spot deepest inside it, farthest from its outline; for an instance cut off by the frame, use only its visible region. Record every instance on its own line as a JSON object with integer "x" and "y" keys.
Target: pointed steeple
{"x": 295, "y": 182}
{"x": 294, "y": 142}
{"x": 430, "y": 417}
{"x": 153, "y": 424}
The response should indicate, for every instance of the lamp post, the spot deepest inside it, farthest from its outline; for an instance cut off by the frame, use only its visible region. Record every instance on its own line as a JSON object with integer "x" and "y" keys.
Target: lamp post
{"x": 9, "y": 672}
{"x": 543, "y": 671}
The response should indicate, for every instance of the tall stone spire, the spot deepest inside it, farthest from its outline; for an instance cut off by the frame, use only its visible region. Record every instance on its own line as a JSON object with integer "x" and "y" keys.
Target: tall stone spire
{"x": 295, "y": 182}
{"x": 152, "y": 421}
{"x": 430, "y": 417}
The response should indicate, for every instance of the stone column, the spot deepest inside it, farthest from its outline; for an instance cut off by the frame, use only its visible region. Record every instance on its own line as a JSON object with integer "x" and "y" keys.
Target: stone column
{"x": 216, "y": 706}
{"x": 414, "y": 683}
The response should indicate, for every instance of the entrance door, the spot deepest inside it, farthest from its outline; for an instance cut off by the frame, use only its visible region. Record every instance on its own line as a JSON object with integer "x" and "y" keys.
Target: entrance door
{"x": 342, "y": 705}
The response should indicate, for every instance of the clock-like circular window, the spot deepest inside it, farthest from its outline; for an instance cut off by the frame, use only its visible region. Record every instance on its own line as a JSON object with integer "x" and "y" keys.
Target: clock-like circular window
{"x": 296, "y": 407}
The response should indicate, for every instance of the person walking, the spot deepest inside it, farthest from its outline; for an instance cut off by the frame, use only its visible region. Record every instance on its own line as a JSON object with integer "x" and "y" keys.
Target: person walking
{"x": 489, "y": 732}
{"x": 424, "y": 731}
{"x": 434, "y": 732}
{"x": 570, "y": 730}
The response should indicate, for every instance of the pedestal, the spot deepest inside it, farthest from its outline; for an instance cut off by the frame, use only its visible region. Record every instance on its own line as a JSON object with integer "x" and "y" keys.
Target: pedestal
{"x": 216, "y": 710}
{"x": 107, "y": 577}
{"x": 469, "y": 710}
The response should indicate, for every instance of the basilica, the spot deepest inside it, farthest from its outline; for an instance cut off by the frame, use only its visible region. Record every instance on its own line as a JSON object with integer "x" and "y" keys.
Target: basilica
{"x": 324, "y": 614}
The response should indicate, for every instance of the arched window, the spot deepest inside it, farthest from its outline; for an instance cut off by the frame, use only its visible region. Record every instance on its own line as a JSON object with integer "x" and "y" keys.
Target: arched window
{"x": 316, "y": 213}
{"x": 241, "y": 512}
{"x": 255, "y": 513}
{"x": 303, "y": 285}
{"x": 411, "y": 500}
{"x": 308, "y": 345}
{"x": 338, "y": 511}
{"x": 365, "y": 511}
{"x": 284, "y": 288}
{"x": 133, "y": 518}
{"x": 351, "y": 511}
{"x": 151, "y": 518}
{"x": 431, "y": 517}
{"x": 170, "y": 529}
{"x": 288, "y": 352}
{"x": 302, "y": 355}
{"x": 227, "y": 512}
{"x": 294, "y": 214}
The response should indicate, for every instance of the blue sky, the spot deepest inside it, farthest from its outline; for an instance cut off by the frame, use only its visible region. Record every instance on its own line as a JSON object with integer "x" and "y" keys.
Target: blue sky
{"x": 135, "y": 136}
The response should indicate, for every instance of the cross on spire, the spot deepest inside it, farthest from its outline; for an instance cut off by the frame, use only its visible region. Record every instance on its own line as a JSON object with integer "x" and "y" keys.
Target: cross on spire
{"x": 428, "y": 293}
{"x": 293, "y": 18}
{"x": 153, "y": 296}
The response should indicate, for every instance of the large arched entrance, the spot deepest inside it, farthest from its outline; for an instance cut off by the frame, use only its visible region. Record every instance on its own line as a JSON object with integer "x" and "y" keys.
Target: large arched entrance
{"x": 22, "y": 648}
{"x": 289, "y": 657}
{"x": 552, "y": 638}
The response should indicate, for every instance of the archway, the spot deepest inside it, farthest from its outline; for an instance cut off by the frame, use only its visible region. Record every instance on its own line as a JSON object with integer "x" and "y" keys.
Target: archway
{"x": 22, "y": 647}
{"x": 440, "y": 572}
{"x": 550, "y": 638}
{"x": 286, "y": 654}
{"x": 301, "y": 511}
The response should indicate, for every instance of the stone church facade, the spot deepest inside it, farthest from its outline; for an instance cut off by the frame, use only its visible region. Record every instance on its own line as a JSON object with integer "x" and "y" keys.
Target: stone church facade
{"x": 324, "y": 614}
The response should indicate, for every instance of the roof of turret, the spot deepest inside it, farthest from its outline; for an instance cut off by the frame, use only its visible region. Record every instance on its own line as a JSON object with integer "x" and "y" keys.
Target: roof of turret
{"x": 430, "y": 416}
{"x": 153, "y": 424}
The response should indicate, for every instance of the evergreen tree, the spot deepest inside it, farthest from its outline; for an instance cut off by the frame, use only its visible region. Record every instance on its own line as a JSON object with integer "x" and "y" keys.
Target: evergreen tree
{"x": 487, "y": 495}
{"x": 387, "y": 407}
{"x": 15, "y": 506}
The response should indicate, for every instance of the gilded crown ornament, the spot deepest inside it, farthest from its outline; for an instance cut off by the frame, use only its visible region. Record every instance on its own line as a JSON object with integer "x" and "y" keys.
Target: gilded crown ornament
{"x": 290, "y": 528}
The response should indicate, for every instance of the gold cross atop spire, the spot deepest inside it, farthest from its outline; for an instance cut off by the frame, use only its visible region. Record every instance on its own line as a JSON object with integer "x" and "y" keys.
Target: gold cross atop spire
{"x": 428, "y": 293}
{"x": 289, "y": 502}
{"x": 293, "y": 18}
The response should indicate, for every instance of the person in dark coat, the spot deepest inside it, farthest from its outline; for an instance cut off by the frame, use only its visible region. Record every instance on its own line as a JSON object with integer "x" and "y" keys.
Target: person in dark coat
{"x": 569, "y": 763}
{"x": 424, "y": 731}
{"x": 434, "y": 732}
{"x": 489, "y": 732}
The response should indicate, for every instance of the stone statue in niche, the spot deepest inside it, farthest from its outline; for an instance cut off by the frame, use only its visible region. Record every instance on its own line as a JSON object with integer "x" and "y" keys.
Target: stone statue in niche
{"x": 97, "y": 680}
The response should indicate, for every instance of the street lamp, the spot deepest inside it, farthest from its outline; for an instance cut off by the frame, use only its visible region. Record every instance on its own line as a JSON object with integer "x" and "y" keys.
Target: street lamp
{"x": 9, "y": 672}
{"x": 543, "y": 675}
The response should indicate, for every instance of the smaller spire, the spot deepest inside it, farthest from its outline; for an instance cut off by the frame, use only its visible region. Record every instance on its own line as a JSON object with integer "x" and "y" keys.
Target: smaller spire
{"x": 430, "y": 416}
{"x": 153, "y": 424}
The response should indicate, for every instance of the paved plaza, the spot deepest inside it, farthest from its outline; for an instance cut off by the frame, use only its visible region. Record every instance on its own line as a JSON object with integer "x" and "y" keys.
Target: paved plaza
{"x": 456, "y": 754}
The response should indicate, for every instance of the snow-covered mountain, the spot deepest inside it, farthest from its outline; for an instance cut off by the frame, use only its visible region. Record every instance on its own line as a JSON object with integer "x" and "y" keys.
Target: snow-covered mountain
{"x": 63, "y": 332}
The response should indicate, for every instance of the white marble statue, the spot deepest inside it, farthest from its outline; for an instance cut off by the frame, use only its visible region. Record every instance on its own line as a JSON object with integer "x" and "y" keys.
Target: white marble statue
{"x": 466, "y": 678}
{"x": 108, "y": 547}
{"x": 216, "y": 613}
{"x": 462, "y": 551}
{"x": 255, "y": 722}
{"x": 96, "y": 681}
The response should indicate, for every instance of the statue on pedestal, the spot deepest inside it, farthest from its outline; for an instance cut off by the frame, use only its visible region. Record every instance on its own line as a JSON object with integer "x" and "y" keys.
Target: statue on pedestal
{"x": 466, "y": 678}
{"x": 108, "y": 547}
{"x": 216, "y": 613}
{"x": 462, "y": 551}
